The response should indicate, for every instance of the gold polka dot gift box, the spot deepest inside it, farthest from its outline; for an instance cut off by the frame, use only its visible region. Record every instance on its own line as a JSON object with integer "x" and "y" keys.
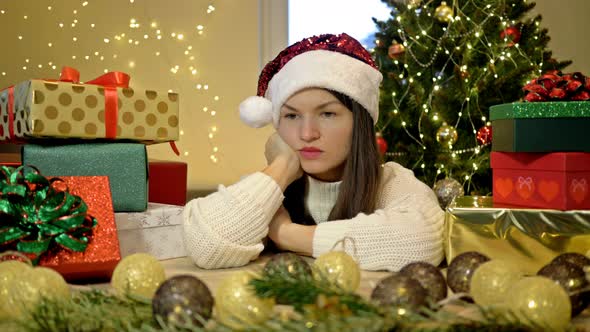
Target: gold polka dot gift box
{"x": 102, "y": 108}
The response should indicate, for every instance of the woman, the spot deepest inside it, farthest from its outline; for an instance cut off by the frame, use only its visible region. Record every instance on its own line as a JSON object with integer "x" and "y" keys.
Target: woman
{"x": 324, "y": 181}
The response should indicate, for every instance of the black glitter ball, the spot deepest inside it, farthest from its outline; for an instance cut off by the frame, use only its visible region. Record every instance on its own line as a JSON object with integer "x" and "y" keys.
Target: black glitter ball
{"x": 289, "y": 263}
{"x": 574, "y": 258}
{"x": 461, "y": 270}
{"x": 183, "y": 297}
{"x": 400, "y": 290}
{"x": 429, "y": 277}
{"x": 572, "y": 278}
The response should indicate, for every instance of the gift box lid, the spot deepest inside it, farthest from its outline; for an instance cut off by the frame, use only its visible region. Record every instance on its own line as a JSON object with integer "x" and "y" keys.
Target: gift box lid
{"x": 168, "y": 164}
{"x": 552, "y": 109}
{"x": 555, "y": 161}
{"x": 156, "y": 215}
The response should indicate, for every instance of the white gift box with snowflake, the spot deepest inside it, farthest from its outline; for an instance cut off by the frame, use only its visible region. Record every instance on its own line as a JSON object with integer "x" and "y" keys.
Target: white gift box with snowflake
{"x": 156, "y": 231}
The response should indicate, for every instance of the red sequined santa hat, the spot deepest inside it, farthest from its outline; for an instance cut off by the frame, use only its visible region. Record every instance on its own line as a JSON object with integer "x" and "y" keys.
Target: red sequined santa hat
{"x": 335, "y": 62}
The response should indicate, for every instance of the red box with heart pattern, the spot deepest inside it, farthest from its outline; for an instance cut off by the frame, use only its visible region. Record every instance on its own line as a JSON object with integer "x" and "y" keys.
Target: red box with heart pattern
{"x": 558, "y": 180}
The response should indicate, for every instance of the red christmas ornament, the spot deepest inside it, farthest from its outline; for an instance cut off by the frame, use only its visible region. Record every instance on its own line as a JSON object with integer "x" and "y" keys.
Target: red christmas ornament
{"x": 484, "y": 135}
{"x": 396, "y": 50}
{"x": 381, "y": 144}
{"x": 512, "y": 34}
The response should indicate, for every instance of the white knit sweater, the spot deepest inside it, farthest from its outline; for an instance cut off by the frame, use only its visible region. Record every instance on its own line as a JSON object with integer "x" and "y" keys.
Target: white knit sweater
{"x": 226, "y": 228}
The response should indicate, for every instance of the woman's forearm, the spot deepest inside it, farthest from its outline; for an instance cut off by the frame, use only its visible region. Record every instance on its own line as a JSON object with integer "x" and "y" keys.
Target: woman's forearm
{"x": 297, "y": 238}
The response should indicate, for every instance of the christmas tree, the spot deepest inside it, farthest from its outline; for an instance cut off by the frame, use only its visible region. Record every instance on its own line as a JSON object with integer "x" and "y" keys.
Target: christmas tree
{"x": 444, "y": 65}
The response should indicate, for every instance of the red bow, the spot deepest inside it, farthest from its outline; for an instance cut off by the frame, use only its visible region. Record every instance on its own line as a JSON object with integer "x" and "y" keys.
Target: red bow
{"x": 554, "y": 85}
{"x": 110, "y": 81}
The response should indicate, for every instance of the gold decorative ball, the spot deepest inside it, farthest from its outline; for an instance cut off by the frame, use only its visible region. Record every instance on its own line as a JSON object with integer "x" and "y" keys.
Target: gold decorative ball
{"x": 444, "y": 13}
{"x": 541, "y": 301}
{"x": 446, "y": 135}
{"x": 236, "y": 303}
{"x": 9, "y": 272}
{"x": 396, "y": 50}
{"x": 492, "y": 281}
{"x": 339, "y": 268}
{"x": 31, "y": 286}
{"x": 138, "y": 275}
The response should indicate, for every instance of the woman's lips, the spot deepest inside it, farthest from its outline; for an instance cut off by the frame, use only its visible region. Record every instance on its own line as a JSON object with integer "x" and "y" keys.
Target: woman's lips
{"x": 310, "y": 153}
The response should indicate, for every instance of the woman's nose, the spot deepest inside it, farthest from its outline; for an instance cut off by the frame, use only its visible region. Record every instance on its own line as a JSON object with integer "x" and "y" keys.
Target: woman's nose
{"x": 309, "y": 130}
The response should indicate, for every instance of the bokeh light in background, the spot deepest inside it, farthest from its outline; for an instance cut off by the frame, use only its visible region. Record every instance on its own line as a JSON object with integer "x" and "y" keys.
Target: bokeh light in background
{"x": 77, "y": 33}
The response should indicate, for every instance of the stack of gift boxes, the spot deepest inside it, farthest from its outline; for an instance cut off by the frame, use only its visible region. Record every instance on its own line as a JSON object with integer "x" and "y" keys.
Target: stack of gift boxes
{"x": 540, "y": 161}
{"x": 98, "y": 130}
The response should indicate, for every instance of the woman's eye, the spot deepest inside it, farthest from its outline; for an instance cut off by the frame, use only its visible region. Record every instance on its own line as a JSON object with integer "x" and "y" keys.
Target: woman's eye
{"x": 328, "y": 114}
{"x": 290, "y": 116}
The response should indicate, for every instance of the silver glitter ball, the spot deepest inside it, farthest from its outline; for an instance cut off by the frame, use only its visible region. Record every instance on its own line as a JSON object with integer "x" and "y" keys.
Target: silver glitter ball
{"x": 446, "y": 190}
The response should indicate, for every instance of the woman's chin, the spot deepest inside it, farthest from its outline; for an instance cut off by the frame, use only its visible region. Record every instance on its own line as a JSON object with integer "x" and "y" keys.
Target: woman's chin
{"x": 322, "y": 173}
{"x": 313, "y": 168}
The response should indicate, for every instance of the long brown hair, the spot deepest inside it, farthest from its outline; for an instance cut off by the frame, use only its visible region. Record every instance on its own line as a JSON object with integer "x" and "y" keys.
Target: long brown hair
{"x": 360, "y": 178}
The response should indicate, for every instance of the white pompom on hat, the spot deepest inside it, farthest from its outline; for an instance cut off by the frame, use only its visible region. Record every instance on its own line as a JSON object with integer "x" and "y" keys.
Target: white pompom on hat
{"x": 335, "y": 62}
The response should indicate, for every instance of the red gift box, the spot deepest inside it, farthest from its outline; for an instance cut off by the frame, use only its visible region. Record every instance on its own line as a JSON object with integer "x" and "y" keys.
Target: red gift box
{"x": 557, "y": 180}
{"x": 167, "y": 182}
{"x": 102, "y": 254}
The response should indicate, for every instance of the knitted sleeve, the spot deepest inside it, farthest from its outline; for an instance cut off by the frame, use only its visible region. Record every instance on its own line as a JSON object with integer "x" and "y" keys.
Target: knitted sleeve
{"x": 407, "y": 228}
{"x": 226, "y": 228}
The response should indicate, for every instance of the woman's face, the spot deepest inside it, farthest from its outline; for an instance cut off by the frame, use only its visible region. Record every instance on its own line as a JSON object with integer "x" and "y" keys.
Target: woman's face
{"x": 315, "y": 124}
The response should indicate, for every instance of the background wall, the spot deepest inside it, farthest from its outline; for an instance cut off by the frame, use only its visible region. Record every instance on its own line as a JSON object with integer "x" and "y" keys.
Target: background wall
{"x": 226, "y": 56}
{"x": 568, "y": 24}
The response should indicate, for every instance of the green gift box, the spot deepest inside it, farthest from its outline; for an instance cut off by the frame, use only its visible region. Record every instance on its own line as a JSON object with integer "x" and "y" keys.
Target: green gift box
{"x": 530, "y": 238}
{"x": 124, "y": 163}
{"x": 556, "y": 126}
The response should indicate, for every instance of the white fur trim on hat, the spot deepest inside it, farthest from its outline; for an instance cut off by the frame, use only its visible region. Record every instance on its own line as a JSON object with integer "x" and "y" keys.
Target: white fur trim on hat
{"x": 329, "y": 70}
{"x": 256, "y": 111}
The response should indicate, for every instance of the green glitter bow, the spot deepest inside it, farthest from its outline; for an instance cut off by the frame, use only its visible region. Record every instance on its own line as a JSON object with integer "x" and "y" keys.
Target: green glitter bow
{"x": 35, "y": 216}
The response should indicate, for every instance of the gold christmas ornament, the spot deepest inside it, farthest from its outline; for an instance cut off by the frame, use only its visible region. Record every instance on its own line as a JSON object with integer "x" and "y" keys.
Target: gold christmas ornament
{"x": 339, "y": 268}
{"x": 138, "y": 275}
{"x": 541, "y": 301}
{"x": 30, "y": 286}
{"x": 396, "y": 50}
{"x": 9, "y": 272}
{"x": 443, "y": 13}
{"x": 492, "y": 281}
{"x": 446, "y": 135}
{"x": 236, "y": 304}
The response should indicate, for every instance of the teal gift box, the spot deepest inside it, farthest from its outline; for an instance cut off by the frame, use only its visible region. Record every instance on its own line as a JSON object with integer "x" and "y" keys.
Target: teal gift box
{"x": 124, "y": 163}
{"x": 555, "y": 126}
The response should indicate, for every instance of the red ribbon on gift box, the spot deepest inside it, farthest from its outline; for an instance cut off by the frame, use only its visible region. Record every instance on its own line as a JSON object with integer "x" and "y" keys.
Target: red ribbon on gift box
{"x": 553, "y": 86}
{"x": 110, "y": 81}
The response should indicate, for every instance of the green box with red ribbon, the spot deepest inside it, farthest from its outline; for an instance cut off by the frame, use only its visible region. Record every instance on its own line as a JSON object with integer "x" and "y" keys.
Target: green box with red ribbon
{"x": 554, "y": 116}
{"x": 553, "y": 126}
{"x": 103, "y": 108}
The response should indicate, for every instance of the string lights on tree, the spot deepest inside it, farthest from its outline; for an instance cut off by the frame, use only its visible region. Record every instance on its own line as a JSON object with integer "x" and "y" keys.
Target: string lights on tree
{"x": 444, "y": 64}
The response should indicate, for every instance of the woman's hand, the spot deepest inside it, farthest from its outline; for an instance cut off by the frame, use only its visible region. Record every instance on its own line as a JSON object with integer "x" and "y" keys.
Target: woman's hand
{"x": 280, "y": 156}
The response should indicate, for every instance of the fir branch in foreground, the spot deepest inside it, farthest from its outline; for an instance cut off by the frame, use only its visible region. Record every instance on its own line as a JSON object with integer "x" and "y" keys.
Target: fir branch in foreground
{"x": 87, "y": 311}
{"x": 300, "y": 289}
